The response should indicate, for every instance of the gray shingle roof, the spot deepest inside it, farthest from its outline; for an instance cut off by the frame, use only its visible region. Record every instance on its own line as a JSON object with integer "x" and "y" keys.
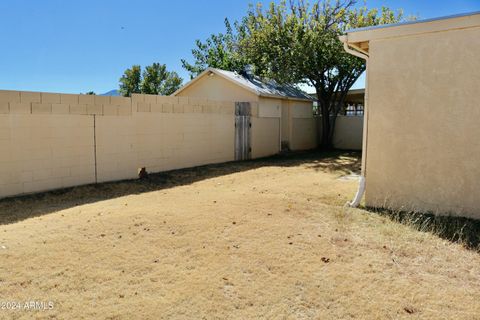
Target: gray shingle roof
{"x": 265, "y": 88}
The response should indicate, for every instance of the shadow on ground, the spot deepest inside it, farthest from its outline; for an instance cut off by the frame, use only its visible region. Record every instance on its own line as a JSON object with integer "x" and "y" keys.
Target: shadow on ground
{"x": 23, "y": 207}
{"x": 454, "y": 229}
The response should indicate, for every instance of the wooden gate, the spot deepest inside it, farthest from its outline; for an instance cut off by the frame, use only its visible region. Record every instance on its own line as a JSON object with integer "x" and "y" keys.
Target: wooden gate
{"x": 242, "y": 130}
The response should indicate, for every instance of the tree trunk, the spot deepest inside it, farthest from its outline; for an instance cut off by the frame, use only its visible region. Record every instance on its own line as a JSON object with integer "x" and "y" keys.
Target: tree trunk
{"x": 326, "y": 136}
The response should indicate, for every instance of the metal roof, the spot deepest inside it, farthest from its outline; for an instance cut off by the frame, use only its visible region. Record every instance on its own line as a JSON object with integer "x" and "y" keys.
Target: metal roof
{"x": 268, "y": 88}
{"x": 460, "y": 15}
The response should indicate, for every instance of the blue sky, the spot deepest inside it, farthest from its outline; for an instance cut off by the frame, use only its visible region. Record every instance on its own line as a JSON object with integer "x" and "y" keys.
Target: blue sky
{"x": 78, "y": 46}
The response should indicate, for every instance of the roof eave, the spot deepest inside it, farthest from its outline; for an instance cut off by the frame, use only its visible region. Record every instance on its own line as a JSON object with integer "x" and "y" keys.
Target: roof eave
{"x": 461, "y": 21}
{"x": 189, "y": 83}
{"x": 263, "y": 95}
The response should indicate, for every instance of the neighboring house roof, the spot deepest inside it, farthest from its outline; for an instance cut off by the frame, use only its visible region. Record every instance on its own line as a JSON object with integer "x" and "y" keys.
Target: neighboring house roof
{"x": 353, "y": 96}
{"x": 254, "y": 84}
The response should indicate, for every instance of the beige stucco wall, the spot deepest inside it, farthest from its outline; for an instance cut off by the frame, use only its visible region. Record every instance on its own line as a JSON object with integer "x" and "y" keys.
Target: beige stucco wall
{"x": 423, "y": 123}
{"x": 217, "y": 88}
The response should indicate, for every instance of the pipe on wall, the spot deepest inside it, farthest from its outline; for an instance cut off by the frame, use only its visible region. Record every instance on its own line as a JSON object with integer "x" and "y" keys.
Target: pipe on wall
{"x": 358, "y": 52}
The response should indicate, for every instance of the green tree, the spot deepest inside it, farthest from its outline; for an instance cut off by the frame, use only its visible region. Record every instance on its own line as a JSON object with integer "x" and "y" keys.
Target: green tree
{"x": 296, "y": 43}
{"x": 172, "y": 83}
{"x": 130, "y": 81}
{"x": 90, "y": 93}
{"x": 218, "y": 51}
{"x": 157, "y": 80}
{"x": 299, "y": 43}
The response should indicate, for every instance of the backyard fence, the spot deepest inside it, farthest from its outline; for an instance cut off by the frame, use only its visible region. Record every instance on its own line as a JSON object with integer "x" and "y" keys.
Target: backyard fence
{"x": 348, "y": 134}
{"x": 51, "y": 141}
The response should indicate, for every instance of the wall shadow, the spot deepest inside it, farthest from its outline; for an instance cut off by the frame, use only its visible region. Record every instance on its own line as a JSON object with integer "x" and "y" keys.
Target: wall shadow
{"x": 461, "y": 230}
{"x": 16, "y": 209}
{"x": 455, "y": 229}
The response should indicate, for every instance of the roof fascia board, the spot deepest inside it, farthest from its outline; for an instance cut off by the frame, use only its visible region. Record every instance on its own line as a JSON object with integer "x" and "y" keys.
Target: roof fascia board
{"x": 284, "y": 98}
{"x": 414, "y": 28}
{"x": 204, "y": 73}
{"x": 189, "y": 83}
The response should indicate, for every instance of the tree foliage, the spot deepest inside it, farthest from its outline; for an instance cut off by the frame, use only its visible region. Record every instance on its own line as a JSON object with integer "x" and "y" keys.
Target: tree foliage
{"x": 296, "y": 42}
{"x": 130, "y": 81}
{"x": 299, "y": 43}
{"x": 158, "y": 80}
{"x": 155, "y": 79}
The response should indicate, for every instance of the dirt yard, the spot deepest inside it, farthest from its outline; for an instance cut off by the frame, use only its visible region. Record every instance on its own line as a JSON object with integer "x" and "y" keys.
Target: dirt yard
{"x": 264, "y": 239}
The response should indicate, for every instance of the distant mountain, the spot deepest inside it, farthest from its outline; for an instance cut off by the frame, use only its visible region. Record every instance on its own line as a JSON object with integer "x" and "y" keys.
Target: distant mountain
{"x": 113, "y": 93}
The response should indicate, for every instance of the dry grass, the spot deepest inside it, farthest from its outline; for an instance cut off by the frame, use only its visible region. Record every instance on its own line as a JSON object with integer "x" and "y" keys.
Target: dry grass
{"x": 257, "y": 240}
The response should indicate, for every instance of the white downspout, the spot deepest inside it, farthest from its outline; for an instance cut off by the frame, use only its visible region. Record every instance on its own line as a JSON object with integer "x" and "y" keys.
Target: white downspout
{"x": 361, "y": 186}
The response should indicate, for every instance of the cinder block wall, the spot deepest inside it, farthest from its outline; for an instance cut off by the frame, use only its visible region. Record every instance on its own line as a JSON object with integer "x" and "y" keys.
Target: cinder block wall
{"x": 348, "y": 134}
{"x": 303, "y": 127}
{"x": 50, "y": 141}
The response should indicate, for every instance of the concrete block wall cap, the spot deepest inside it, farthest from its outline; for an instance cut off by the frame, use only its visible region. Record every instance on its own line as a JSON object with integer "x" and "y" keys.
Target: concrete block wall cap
{"x": 86, "y": 99}
{"x": 137, "y": 98}
{"x": 9, "y": 96}
{"x": 150, "y": 98}
{"x": 121, "y": 101}
{"x": 101, "y": 100}
{"x": 27, "y": 96}
{"x": 50, "y": 97}
{"x": 4, "y": 107}
{"x": 69, "y": 98}
{"x": 167, "y": 99}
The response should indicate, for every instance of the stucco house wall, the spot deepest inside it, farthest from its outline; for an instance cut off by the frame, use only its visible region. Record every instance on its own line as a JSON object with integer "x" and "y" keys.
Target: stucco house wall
{"x": 422, "y": 141}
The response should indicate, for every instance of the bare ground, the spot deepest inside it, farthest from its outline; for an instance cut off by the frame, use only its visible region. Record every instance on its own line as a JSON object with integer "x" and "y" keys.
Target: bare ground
{"x": 264, "y": 239}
